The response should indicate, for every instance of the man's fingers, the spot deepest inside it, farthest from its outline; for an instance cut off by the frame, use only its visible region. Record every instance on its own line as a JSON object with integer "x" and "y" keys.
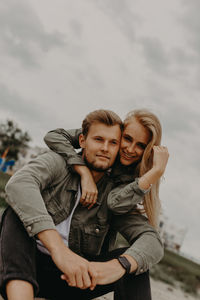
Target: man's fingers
{"x": 86, "y": 280}
{"x": 79, "y": 280}
{"x": 93, "y": 277}
{"x": 71, "y": 280}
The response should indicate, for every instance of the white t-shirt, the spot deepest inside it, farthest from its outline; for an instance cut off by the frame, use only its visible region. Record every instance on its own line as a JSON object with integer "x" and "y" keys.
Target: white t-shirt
{"x": 64, "y": 227}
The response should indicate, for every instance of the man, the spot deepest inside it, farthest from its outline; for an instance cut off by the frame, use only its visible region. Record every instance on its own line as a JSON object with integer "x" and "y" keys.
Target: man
{"x": 63, "y": 252}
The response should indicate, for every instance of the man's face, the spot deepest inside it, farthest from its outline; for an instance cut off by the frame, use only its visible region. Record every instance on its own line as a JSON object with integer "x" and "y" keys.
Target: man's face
{"x": 101, "y": 146}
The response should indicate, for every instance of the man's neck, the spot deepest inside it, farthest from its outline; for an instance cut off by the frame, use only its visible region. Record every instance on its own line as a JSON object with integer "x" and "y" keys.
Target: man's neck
{"x": 97, "y": 175}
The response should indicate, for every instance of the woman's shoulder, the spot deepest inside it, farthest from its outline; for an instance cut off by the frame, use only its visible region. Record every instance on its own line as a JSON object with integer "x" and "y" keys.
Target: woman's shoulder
{"x": 123, "y": 174}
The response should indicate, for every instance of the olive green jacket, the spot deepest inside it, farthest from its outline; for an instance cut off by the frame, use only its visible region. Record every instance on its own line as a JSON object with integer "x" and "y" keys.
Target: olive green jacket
{"x": 43, "y": 193}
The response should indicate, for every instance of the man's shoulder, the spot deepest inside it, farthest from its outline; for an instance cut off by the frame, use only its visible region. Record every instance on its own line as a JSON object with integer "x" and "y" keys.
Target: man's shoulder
{"x": 50, "y": 158}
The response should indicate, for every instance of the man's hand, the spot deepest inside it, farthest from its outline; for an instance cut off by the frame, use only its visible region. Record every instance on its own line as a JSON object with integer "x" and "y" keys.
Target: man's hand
{"x": 76, "y": 270}
{"x": 110, "y": 271}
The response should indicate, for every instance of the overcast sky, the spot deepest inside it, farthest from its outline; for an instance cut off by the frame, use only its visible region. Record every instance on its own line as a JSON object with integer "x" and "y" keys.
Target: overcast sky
{"x": 62, "y": 59}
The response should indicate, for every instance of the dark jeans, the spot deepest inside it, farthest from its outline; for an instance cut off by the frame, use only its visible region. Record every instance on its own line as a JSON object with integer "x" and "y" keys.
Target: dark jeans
{"x": 20, "y": 259}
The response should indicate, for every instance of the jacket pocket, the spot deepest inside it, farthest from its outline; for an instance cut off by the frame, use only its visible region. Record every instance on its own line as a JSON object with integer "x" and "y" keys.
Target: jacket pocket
{"x": 93, "y": 238}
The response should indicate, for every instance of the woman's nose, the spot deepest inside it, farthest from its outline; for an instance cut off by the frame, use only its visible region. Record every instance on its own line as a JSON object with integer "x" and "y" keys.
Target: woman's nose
{"x": 132, "y": 148}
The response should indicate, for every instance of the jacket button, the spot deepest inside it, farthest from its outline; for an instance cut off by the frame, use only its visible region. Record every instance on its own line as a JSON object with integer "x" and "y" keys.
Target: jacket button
{"x": 141, "y": 270}
{"x": 97, "y": 230}
{"x": 29, "y": 228}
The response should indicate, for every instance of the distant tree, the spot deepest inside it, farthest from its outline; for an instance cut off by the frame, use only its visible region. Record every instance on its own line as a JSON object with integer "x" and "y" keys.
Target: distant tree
{"x": 12, "y": 137}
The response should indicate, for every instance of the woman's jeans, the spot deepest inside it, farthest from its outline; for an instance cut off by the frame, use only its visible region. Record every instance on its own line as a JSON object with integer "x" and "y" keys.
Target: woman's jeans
{"x": 20, "y": 259}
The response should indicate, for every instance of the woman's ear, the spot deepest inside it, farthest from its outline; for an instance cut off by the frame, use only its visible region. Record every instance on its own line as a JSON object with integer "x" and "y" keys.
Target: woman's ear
{"x": 82, "y": 141}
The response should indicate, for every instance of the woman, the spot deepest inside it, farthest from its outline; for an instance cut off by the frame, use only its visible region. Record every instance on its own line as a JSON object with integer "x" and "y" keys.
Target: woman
{"x": 140, "y": 156}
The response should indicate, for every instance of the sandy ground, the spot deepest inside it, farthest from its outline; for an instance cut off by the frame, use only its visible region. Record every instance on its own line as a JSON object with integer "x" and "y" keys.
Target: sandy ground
{"x": 160, "y": 291}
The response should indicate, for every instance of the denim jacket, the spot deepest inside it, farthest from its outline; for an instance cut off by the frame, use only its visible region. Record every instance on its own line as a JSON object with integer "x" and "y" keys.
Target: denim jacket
{"x": 43, "y": 192}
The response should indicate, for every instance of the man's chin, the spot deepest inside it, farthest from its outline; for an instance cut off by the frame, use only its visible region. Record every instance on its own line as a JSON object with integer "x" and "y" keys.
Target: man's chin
{"x": 97, "y": 167}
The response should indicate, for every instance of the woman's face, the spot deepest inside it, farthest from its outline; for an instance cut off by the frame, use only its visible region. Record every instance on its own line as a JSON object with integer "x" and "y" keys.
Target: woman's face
{"x": 135, "y": 138}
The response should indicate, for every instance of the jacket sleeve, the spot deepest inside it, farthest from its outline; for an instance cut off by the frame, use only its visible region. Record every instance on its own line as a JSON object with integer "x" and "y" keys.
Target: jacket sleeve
{"x": 146, "y": 245}
{"x": 125, "y": 197}
{"x": 23, "y": 191}
{"x": 64, "y": 143}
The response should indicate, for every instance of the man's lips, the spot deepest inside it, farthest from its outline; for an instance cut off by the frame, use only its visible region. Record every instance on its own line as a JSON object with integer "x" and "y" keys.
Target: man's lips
{"x": 103, "y": 157}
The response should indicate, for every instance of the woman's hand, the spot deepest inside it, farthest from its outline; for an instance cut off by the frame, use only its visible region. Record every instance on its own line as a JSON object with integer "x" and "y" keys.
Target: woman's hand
{"x": 88, "y": 186}
{"x": 160, "y": 159}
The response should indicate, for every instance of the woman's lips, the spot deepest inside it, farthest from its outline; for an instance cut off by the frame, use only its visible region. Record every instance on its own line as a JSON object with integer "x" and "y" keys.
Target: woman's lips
{"x": 127, "y": 156}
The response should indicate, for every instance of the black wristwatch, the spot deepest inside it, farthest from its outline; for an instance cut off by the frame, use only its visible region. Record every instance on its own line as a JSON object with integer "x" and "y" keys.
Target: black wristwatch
{"x": 125, "y": 263}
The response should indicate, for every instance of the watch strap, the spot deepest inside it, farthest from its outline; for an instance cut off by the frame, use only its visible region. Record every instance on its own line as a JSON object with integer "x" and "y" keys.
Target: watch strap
{"x": 125, "y": 263}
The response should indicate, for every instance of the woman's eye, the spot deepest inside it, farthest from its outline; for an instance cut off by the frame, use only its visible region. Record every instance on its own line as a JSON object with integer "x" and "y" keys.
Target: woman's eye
{"x": 142, "y": 146}
{"x": 127, "y": 138}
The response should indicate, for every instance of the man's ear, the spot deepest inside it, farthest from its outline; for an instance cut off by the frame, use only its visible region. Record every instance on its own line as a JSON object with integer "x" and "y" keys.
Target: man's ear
{"x": 82, "y": 141}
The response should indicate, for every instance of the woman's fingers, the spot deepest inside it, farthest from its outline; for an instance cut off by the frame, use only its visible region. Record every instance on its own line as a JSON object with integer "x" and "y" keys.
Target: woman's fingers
{"x": 89, "y": 199}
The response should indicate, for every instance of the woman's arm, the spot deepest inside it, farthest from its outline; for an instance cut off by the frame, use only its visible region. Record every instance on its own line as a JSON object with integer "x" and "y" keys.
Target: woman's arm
{"x": 124, "y": 198}
{"x": 64, "y": 143}
{"x": 160, "y": 159}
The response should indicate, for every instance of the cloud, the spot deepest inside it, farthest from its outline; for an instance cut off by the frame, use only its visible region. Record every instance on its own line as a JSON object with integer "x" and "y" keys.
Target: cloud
{"x": 121, "y": 15}
{"x": 22, "y": 34}
{"x": 190, "y": 21}
{"x": 155, "y": 54}
{"x": 23, "y": 109}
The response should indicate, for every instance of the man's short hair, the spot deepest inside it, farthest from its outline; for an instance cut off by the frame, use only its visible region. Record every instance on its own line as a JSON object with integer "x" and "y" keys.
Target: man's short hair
{"x": 103, "y": 116}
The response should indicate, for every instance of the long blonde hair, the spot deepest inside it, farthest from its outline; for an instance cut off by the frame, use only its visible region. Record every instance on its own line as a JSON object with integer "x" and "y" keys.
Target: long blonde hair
{"x": 150, "y": 121}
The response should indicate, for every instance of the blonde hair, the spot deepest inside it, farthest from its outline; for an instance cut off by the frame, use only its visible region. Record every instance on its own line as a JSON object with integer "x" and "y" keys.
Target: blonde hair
{"x": 152, "y": 205}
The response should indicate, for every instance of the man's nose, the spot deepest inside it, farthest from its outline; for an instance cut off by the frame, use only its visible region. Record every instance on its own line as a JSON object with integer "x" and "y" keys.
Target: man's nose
{"x": 105, "y": 146}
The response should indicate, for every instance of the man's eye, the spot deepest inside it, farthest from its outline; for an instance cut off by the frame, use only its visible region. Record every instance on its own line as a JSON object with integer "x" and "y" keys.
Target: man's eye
{"x": 98, "y": 139}
{"x": 114, "y": 142}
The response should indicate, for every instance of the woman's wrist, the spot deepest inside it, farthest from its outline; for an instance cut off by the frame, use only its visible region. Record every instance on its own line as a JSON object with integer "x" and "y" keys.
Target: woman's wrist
{"x": 149, "y": 178}
{"x": 81, "y": 170}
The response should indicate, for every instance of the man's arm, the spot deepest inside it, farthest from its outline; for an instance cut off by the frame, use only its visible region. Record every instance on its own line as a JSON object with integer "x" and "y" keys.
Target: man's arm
{"x": 76, "y": 270}
{"x": 24, "y": 190}
{"x": 145, "y": 251}
{"x": 146, "y": 245}
{"x": 24, "y": 196}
